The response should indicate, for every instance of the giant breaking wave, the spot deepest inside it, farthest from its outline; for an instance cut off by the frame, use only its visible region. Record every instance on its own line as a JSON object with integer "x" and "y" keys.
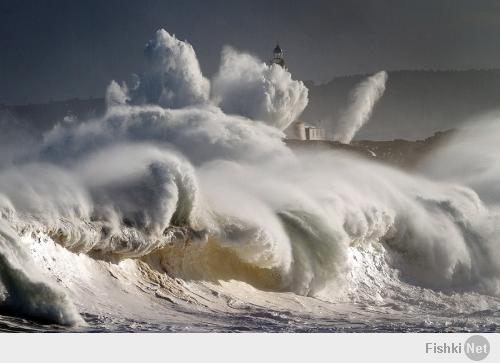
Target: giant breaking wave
{"x": 184, "y": 188}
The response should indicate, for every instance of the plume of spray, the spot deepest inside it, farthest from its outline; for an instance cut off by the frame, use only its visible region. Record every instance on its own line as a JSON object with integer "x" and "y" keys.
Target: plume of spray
{"x": 247, "y": 86}
{"x": 364, "y": 99}
{"x": 116, "y": 94}
{"x": 471, "y": 157}
{"x": 172, "y": 77}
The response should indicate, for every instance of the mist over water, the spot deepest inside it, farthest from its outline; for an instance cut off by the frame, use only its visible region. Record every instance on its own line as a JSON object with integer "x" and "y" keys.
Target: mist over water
{"x": 246, "y": 86}
{"x": 364, "y": 98}
{"x": 182, "y": 206}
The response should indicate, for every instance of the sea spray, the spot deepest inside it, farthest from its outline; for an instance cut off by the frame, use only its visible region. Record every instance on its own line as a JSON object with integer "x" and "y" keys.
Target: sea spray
{"x": 195, "y": 187}
{"x": 29, "y": 292}
{"x": 247, "y": 86}
{"x": 173, "y": 76}
{"x": 146, "y": 168}
{"x": 364, "y": 99}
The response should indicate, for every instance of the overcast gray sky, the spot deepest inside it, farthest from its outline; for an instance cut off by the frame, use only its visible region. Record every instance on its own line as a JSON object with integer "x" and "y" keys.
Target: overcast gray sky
{"x": 62, "y": 49}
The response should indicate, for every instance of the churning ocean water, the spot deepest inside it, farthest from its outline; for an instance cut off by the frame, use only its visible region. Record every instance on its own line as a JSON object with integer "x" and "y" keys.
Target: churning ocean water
{"x": 182, "y": 210}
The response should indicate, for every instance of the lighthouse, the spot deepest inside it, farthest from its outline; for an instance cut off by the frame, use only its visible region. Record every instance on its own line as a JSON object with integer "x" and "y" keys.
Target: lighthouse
{"x": 278, "y": 56}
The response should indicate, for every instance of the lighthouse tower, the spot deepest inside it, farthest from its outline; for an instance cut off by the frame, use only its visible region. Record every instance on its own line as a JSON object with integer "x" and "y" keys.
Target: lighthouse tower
{"x": 278, "y": 56}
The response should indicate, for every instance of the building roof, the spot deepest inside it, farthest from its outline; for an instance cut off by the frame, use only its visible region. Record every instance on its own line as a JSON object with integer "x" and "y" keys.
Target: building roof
{"x": 277, "y": 49}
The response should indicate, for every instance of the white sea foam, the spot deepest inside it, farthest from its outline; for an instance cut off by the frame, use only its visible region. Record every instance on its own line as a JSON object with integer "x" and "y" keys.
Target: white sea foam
{"x": 192, "y": 192}
{"x": 247, "y": 86}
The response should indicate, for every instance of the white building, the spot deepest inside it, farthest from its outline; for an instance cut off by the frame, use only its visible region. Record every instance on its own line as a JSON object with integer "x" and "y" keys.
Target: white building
{"x": 300, "y": 131}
